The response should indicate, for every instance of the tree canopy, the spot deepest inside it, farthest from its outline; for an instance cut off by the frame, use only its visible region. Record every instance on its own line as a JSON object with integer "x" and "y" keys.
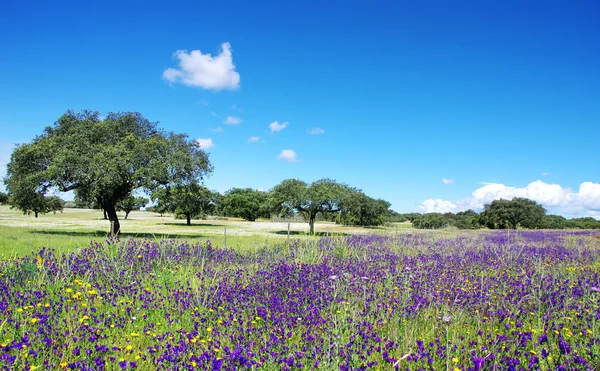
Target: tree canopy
{"x": 513, "y": 213}
{"x": 131, "y": 203}
{"x": 187, "y": 201}
{"x": 320, "y": 197}
{"x": 246, "y": 203}
{"x": 105, "y": 158}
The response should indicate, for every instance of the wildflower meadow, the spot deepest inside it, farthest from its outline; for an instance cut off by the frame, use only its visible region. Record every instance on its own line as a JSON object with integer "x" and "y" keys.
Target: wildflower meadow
{"x": 469, "y": 302}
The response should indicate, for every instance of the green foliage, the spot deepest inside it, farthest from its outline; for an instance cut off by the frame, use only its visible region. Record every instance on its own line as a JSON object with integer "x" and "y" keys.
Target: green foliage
{"x": 513, "y": 213}
{"x": 360, "y": 209}
{"x": 105, "y": 159}
{"x": 320, "y": 197}
{"x": 189, "y": 201}
{"x": 246, "y": 203}
{"x": 30, "y": 201}
{"x": 130, "y": 203}
{"x": 430, "y": 221}
{"x": 3, "y": 198}
{"x": 554, "y": 222}
{"x": 583, "y": 223}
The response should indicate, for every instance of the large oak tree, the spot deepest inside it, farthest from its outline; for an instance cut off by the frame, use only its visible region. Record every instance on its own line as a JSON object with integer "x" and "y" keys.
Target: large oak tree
{"x": 105, "y": 158}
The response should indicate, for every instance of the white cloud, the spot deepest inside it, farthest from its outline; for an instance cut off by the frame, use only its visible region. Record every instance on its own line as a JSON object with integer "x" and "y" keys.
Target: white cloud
{"x": 552, "y": 196}
{"x": 205, "y": 143}
{"x": 232, "y": 120}
{"x": 204, "y": 71}
{"x": 253, "y": 139}
{"x": 545, "y": 174}
{"x": 288, "y": 155}
{"x": 217, "y": 130}
{"x": 275, "y": 126}
{"x": 447, "y": 181}
{"x": 437, "y": 206}
{"x": 316, "y": 131}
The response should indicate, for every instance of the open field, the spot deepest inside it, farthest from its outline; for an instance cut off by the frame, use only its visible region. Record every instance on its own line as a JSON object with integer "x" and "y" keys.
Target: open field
{"x": 21, "y": 234}
{"x": 485, "y": 301}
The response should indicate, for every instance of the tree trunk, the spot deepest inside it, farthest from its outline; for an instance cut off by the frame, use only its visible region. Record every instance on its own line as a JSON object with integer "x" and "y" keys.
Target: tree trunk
{"x": 311, "y": 224}
{"x": 112, "y": 216}
{"x": 105, "y": 216}
{"x": 36, "y": 214}
{"x": 188, "y": 219}
{"x": 127, "y": 214}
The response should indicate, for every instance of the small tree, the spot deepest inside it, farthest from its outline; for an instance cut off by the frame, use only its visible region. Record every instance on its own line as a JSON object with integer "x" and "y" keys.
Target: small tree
{"x": 130, "y": 203}
{"x": 513, "y": 213}
{"x": 295, "y": 196}
{"x": 360, "y": 209}
{"x": 189, "y": 201}
{"x": 30, "y": 201}
{"x": 3, "y": 198}
{"x": 247, "y": 203}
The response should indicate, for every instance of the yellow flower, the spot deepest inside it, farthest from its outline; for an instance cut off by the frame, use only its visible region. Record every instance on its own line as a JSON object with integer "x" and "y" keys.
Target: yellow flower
{"x": 92, "y": 292}
{"x": 63, "y": 364}
{"x": 133, "y": 334}
{"x": 129, "y": 347}
{"x": 193, "y": 364}
{"x": 209, "y": 329}
{"x": 34, "y": 320}
{"x": 455, "y": 360}
{"x": 69, "y": 290}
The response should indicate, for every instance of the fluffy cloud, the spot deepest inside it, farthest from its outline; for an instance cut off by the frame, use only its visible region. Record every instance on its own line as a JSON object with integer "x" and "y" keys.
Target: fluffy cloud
{"x": 552, "y": 196}
{"x": 437, "y": 206}
{"x": 545, "y": 173}
{"x": 217, "y": 130}
{"x": 232, "y": 120}
{"x": 205, "y": 143}
{"x": 253, "y": 139}
{"x": 203, "y": 70}
{"x": 447, "y": 181}
{"x": 316, "y": 131}
{"x": 288, "y": 155}
{"x": 275, "y": 126}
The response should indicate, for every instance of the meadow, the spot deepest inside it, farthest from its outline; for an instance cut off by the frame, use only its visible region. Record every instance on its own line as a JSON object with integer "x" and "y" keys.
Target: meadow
{"x": 526, "y": 300}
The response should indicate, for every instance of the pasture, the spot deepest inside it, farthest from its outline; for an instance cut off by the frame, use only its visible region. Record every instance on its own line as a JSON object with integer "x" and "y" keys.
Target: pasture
{"x": 411, "y": 301}
{"x": 23, "y": 234}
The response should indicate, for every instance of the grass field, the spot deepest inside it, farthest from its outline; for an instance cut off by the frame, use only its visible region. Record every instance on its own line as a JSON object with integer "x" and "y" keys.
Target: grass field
{"x": 22, "y": 234}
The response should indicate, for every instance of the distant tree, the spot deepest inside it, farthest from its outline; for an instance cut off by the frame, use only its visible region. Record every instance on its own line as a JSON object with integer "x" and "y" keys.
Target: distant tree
{"x": 394, "y": 217}
{"x": 320, "y": 197}
{"x": 554, "y": 222}
{"x": 105, "y": 159}
{"x": 583, "y": 223}
{"x": 246, "y": 203}
{"x": 412, "y": 216}
{"x": 468, "y": 219}
{"x": 430, "y": 221}
{"x": 189, "y": 201}
{"x": 28, "y": 200}
{"x": 513, "y": 213}
{"x": 3, "y": 198}
{"x": 130, "y": 203}
{"x": 360, "y": 209}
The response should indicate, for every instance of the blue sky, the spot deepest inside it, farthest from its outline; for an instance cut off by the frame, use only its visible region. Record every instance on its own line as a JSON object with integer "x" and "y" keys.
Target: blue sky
{"x": 501, "y": 99}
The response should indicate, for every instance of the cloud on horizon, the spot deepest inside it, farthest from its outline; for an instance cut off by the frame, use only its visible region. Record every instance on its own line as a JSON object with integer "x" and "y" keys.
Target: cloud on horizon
{"x": 203, "y": 70}
{"x": 586, "y": 201}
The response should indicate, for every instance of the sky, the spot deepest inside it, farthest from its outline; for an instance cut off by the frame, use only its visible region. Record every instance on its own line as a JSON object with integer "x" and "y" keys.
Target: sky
{"x": 430, "y": 105}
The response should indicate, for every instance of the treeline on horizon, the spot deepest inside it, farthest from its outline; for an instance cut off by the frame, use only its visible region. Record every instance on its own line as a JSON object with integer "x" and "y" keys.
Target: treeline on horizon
{"x": 108, "y": 160}
{"x": 250, "y": 204}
